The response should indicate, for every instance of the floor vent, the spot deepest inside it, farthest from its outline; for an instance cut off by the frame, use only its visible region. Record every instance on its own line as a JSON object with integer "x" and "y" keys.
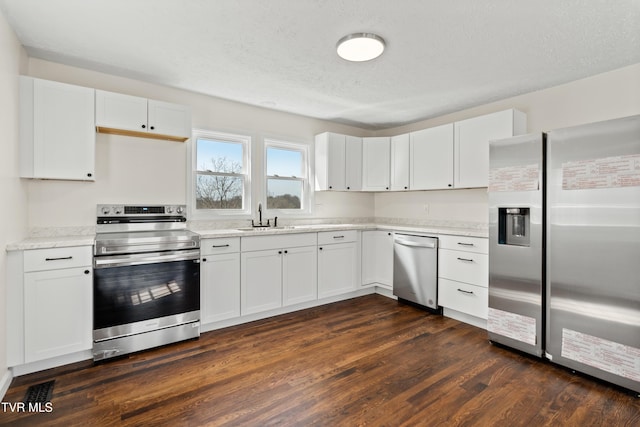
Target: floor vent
{"x": 39, "y": 393}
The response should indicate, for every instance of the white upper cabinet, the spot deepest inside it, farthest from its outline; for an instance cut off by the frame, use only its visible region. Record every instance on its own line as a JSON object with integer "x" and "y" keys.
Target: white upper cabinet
{"x": 431, "y": 156}
{"x": 57, "y": 130}
{"x": 400, "y": 162}
{"x": 353, "y": 163}
{"x": 330, "y": 161}
{"x": 472, "y": 136}
{"x": 376, "y": 163}
{"x": 338, "y": 162}
{"x": 134, "y": 116}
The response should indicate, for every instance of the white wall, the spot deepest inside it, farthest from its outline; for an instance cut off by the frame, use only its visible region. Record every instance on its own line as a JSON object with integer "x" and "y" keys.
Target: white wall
{"x": 136, "y": 170}
{"x": 13, "y": 225}
{"x": 601, "y": 97}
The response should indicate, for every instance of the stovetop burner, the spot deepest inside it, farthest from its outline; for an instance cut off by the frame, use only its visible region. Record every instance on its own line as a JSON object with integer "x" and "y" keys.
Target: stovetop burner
{"x": 142, "y": 228}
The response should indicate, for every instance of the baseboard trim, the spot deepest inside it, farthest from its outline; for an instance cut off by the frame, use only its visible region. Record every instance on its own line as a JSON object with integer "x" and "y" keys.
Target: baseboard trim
{"x": 5, "y": 382}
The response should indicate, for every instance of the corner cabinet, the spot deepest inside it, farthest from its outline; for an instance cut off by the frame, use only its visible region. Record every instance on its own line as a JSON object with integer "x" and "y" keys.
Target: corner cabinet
{"x": 400, "y": 161}
{"x": 57, "y": 130}
{"x": 471, "y": 144}
{"x": 128, "y": 115}
{"x": 376, "y": 163}
{"x": 377, "y": 258}
{"x": 338, "y": 162}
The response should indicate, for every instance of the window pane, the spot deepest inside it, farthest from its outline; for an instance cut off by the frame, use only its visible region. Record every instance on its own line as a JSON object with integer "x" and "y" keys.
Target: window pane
{"x": 284, "y": 194}
{"x": 284, "y": 162}
{"x": 219, "y": 156}
{"x": 218, "y": 192}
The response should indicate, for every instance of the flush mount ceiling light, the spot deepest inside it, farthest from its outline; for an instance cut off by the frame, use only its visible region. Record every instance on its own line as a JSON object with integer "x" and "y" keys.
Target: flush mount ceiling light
{"x": 359, "y": 47}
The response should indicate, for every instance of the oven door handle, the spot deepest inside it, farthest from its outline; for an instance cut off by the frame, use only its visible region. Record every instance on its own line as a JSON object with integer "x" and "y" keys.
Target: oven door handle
{"x": 148, "y": 258}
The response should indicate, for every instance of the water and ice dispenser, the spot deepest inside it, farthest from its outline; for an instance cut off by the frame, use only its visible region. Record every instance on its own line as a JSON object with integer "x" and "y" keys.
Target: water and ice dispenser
{"x": 513, "y": 226}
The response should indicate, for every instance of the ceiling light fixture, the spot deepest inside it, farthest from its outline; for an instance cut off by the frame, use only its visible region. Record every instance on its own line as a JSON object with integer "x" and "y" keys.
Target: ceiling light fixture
{"x": 359, "y": 47}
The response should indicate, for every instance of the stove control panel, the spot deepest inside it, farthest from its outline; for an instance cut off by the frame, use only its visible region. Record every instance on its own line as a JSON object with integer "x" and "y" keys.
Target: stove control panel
{"x": 140, "y": 210}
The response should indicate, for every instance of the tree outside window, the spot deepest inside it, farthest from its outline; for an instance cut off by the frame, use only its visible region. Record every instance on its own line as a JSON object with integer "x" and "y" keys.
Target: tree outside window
{"x": 221, "y": 172}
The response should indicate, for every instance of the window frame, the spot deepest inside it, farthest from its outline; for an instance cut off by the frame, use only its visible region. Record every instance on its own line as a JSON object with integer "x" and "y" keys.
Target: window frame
{"x": 245, "y": 141}
{"x": 307, "y": 196}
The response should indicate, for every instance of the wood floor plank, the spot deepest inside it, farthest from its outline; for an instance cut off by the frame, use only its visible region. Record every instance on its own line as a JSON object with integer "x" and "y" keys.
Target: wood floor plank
{"x": 365, "y": 361}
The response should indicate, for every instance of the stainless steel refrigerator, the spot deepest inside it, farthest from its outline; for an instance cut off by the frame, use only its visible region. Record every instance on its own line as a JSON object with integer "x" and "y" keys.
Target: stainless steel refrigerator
{"x": 564, "y": 247}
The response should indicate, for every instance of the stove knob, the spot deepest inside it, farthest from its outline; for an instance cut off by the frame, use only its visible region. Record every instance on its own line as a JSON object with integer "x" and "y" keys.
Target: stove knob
{"x": 117, "y": 210}
{"x": 179, "y": 209}
{"x": 169, "y": 209}
{"x": 105, "y": 210}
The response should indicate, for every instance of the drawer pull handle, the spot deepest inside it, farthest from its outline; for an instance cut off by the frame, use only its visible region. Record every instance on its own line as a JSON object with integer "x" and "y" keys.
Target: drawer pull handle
{"x": 58, "y": 259}
{"x": 465, "y": 244}
{"x": 338, "y": 237}
{"x": 465, "y": 292}
{"x": 219, "y": 246}
{"x": 465, "y": 259}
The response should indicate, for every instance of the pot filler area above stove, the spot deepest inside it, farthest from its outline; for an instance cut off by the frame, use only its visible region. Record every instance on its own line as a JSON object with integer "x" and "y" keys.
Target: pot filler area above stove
{"x": 146, "y": 286}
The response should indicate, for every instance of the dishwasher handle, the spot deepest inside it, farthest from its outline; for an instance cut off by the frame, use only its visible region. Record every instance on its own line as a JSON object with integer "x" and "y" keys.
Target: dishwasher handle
{"x": 429, "y": 245}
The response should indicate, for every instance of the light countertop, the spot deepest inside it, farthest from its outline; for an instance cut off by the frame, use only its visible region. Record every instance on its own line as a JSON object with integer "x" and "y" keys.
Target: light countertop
{"x": 59, "y": 240}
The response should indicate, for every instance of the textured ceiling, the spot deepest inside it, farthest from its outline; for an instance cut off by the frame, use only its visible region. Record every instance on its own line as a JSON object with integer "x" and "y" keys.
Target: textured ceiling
{"x": 442, "y": 55}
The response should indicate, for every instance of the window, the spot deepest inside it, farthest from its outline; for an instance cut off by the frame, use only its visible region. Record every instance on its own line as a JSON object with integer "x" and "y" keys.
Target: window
{"x": 287, "y": 177}
{"x": 221, "y": 173}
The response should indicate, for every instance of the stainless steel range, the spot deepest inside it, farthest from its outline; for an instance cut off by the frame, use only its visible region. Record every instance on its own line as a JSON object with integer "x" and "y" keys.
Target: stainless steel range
{"x": 146, "y": 288}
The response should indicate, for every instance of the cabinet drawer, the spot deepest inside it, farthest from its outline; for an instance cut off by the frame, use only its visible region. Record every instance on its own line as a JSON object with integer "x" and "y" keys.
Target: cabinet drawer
{"x": 57, "y": 258}
{"x": 340, "y": 236}
{"x": 469, "y": 299}
{"x": 468, "y": 244}
{"x": 465, "y": 267}
{"x": 260, "y": 243}
{"x": 220, "y": 246}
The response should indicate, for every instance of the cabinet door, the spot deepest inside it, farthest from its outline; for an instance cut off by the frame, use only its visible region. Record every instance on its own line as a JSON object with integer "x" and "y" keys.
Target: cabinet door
{"x": 353, "y": 163}
{"x": 400, "y": 162}
{"x": 169, "y": 119}
{"x": 377, "y": 258}
{"x": 472, "y": 138}
{"x": 330, "y": 161}
{"x": 337, "y": 269}
{"x": 60, "y": 143}
{"x": 432, "y": 158}
{"x": 375, "y": 163}
{"x": 299, "y": 275}
{"x": 219, "y": 287}
{"x": 119, "y": 111}
{"x": 260, "y": 281}
{"x": 58, "y": 313}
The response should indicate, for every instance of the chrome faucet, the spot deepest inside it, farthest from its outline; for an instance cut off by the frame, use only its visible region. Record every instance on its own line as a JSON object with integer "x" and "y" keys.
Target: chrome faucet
{"x": 260, "y": 213}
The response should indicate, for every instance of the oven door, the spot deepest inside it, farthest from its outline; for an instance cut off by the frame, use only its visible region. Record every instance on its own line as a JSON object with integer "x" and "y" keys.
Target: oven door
{"x": 135, "y": 293}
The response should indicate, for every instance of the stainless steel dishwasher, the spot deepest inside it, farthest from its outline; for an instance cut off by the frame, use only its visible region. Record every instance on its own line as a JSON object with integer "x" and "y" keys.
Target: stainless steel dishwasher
{"x": 415, "y": 269}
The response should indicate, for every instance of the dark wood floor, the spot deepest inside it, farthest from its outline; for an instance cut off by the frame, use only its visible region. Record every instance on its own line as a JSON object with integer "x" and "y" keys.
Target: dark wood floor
{"x": 365, "y": 361}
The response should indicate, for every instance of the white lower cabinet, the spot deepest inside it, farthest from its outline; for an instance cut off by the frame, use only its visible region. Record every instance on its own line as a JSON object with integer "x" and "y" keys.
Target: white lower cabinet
{"x": 463, "y": 275}
{"x": 338, "y": 263}
{"x": 52, "y": 315}
{"x": 260, "y": 281}
{"x": 277, "y": 271}
{"x": 57, "y": 313}
{"x": 219, "y": 279}
{"x": 377, "y": 258}
{"x": 299, "y": 275}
